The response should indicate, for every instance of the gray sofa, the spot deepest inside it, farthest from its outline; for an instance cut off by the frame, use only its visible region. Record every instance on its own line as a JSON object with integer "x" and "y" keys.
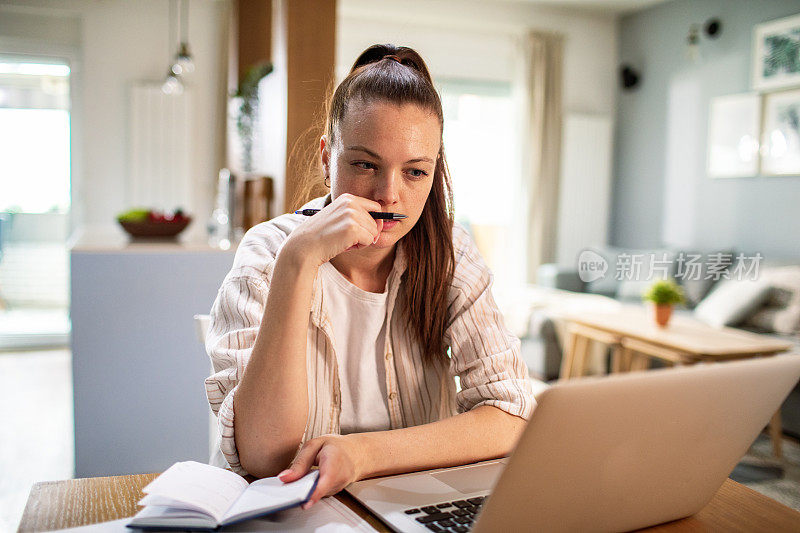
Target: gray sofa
{"x": 772, "y": 311}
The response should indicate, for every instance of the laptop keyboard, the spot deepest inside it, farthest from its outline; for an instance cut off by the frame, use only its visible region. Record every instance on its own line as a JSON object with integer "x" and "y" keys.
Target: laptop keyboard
{"x": 456, "y": 516}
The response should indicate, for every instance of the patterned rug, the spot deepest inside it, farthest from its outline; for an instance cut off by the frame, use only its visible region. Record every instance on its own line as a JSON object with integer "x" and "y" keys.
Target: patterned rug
{"x": 777, "y": 478}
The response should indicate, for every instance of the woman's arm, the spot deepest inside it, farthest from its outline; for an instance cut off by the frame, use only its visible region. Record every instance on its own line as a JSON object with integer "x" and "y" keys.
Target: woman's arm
{"x": 271, "y": 403}
{"x": 485, "y": 432}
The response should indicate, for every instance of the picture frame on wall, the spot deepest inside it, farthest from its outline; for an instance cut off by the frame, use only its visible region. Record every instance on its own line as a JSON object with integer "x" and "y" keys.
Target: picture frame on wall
{"x": 776, "y": 54}
{"x": 780, "y": 138}
{"x": 733, "y": 136}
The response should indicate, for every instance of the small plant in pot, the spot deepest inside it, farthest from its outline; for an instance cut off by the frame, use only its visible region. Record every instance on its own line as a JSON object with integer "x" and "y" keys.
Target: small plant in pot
{"x": 663, "y": 294}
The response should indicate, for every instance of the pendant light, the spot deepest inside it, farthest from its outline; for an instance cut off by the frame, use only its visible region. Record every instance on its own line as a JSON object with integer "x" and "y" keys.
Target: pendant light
{"x": 184, "y": 64}
{"x": 172, "y": 85}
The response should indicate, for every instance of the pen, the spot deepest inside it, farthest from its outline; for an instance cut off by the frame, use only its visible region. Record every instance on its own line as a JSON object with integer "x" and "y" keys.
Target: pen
{"x": 375, "y": 214}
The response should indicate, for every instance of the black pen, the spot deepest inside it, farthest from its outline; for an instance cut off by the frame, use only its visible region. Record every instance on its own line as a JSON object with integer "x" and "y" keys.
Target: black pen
{"x": 375, "y": 214}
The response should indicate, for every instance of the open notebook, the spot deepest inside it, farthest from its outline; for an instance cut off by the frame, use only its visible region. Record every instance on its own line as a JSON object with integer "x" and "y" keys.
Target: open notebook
{"x": 192, "y": 495}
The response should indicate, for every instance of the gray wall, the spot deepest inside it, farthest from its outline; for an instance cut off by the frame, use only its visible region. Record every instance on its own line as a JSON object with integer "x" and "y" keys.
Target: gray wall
{"x": 662, "y": 196}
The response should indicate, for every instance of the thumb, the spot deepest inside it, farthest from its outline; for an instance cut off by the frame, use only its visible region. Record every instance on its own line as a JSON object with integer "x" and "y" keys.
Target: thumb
{"x": 302, "y": 462}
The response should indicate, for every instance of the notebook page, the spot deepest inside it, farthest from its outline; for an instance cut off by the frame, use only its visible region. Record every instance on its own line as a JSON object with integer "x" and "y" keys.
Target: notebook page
{"x": 328, "y": 515}
{"x": 270, "y": 493}
{"x": 199, "y": 485}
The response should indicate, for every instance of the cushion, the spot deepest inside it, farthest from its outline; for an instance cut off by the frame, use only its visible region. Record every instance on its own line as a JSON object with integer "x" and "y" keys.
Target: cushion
{"x": 732, "y": 301}
{"x": 781, "y": 310}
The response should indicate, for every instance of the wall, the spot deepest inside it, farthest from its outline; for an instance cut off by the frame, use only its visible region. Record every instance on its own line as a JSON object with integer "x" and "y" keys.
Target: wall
{"x": 112, "y": 44}
{"x": 661, "y": 193}
{"x": 476, "y": 40}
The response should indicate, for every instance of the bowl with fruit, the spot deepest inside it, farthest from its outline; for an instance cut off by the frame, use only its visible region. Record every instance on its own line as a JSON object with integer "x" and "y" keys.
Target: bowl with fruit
{"x": 141, "y": 223}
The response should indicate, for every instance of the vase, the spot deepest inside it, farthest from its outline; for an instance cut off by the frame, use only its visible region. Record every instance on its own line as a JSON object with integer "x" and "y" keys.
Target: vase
{"x": 662, "y": 313}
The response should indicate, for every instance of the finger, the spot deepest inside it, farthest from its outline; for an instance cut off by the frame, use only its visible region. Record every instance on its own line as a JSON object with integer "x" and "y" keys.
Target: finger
{"x": 380, "y": 229}
{"x": 302, "y": 462}
{"x": 327, "y": 484}
{"x": 365, "y": 238}
{"x": 369, "y": 205}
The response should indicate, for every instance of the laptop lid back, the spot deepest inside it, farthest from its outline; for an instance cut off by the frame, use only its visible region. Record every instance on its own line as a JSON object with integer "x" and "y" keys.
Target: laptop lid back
{"x": 628, "y": 451}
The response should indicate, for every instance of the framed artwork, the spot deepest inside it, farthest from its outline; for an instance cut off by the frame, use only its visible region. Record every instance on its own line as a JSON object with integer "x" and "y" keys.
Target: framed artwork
{"x": 776, "y": 54}
{"x": 780, "y": 140}
{"x": 733, "y": 132}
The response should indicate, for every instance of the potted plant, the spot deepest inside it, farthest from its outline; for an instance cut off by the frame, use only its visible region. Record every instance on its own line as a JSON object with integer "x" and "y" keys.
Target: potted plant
{"x": 247, "y": 96}
{"x": 663, "y": 294}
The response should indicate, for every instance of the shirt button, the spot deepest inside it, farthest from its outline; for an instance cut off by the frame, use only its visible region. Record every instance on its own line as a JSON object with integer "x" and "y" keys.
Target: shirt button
{"x": 392, "y": 395}
{"x": 388, "y": 355}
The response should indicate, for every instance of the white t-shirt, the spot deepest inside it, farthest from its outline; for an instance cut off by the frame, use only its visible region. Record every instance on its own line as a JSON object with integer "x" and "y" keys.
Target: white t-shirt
{"x": 358, "y": 319}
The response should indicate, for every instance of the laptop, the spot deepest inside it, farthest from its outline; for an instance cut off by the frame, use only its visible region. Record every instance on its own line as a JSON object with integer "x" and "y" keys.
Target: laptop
{"x": 611, "y": 453}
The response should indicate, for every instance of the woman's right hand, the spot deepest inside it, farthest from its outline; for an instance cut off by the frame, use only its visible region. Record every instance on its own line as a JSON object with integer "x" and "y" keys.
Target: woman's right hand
{"x": 342, "y": 225}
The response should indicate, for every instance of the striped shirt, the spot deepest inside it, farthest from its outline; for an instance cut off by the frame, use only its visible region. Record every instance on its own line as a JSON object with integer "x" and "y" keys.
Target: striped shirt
{"x": 484, "y": 354}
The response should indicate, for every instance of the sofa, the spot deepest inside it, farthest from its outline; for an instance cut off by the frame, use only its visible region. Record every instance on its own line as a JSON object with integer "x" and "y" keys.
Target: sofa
{"x": 722, "y": 288}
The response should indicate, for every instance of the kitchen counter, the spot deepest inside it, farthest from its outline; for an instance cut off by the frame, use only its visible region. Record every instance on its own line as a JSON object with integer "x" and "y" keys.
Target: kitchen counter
{"x": 138, "y": 365}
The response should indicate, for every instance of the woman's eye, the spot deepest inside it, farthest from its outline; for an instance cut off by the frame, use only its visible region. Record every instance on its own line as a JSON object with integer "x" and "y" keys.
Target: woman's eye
{"x": 421, "y": 174}
{"x": 367, "y": 165}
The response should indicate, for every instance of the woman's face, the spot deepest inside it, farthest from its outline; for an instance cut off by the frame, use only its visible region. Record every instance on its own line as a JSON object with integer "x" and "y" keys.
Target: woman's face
{"x": 386, "y": 153}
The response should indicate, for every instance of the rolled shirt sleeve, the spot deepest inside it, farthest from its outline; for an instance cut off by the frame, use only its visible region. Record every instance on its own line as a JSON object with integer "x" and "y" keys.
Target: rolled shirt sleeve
{"x": 235, "y": 320}
{"x": 485, "y": 355}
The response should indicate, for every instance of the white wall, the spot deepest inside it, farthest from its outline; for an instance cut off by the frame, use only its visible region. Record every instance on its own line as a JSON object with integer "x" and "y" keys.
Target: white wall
{"x": 477, "y": 40}
{"x": 122, "y": 42}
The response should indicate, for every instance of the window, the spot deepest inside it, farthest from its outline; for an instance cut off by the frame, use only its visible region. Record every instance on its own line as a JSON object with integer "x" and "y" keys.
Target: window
{"x": 34, "y": 136}
{"x": 480, "y": 138}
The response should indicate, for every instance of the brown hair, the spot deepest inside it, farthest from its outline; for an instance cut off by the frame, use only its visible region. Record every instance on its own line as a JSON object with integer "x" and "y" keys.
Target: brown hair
{"x": 402, "y": 78}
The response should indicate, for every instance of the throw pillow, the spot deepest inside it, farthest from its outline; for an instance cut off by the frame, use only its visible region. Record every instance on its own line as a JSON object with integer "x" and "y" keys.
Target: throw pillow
{"x": 781, "y": 312}
{"x": 732, "y": 301}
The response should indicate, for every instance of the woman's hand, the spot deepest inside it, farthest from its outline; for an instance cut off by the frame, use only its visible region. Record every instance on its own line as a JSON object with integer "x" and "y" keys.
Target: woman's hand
{"x": 338, "y": 458}
{"x": 341, "y": 225}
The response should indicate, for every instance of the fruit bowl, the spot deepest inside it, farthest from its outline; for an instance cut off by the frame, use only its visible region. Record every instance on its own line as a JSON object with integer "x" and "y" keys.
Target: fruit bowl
{"x": 150, "y": 224}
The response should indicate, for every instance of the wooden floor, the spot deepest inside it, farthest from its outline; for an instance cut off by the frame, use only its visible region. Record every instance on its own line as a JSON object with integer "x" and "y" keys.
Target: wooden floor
{"x": 36, "y": 436}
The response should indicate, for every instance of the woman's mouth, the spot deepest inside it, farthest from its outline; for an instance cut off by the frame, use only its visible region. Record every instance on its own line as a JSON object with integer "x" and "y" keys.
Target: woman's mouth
{"x": 389, "y": 224}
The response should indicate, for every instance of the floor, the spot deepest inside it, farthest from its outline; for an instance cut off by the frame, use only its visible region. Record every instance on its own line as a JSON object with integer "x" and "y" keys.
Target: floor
{"x": 26, "y": 328}
{"x": 36, "y": 438}
{"x": 36, "y": 441}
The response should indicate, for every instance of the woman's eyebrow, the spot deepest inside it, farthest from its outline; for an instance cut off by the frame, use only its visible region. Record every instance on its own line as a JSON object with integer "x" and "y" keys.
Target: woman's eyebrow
{"x": 376, "y": 156}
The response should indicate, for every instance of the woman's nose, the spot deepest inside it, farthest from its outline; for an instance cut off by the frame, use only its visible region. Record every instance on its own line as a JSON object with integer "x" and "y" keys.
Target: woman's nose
{"x": 386, "y": 188}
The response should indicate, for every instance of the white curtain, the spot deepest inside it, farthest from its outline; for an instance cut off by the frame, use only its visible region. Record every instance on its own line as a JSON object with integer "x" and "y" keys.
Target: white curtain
{"x": 543, "y": 58}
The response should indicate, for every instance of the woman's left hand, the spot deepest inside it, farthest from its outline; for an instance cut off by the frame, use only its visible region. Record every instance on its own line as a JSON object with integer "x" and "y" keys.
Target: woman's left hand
{"x": 339, "y": 461}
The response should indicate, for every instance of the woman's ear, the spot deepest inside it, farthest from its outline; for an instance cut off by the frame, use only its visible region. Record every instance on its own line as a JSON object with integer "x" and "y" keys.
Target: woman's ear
{"x": 324, "y": 154}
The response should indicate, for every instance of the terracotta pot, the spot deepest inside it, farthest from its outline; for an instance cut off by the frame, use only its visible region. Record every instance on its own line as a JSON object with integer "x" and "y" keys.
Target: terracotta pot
{"x": 662, "y": 313}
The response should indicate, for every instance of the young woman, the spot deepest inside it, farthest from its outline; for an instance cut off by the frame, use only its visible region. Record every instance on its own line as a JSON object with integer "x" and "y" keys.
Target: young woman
{"x": 337, "y": 338}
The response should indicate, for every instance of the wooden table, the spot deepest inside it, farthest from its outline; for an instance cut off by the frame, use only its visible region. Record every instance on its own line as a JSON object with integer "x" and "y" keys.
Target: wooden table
{"x": 76, "y": 502}
{"x": 635, "y": 339}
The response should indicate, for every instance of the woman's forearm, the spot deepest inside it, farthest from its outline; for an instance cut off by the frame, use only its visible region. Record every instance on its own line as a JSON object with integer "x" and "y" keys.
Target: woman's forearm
{"x": 485, "y": 432}
{"x": 271, "y": 404}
